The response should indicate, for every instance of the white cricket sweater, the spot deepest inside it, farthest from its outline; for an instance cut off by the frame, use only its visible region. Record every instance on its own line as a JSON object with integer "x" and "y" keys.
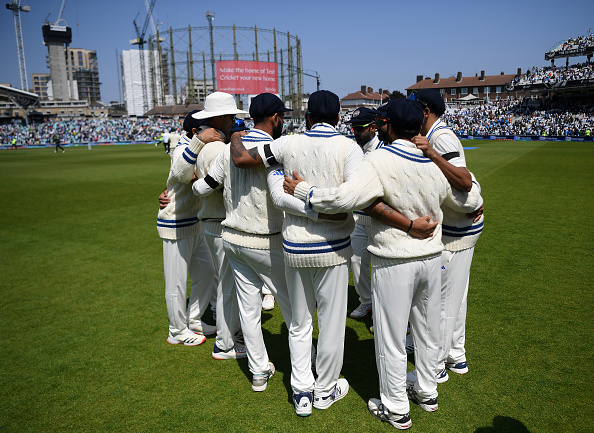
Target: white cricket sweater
{"x": 407, "y": 181}
{"x": 212, "y": 212}
{"x": 373, "y": 144}
{"x": 459, "y": 231}
{"x": 178, "y": 220}
{"x": 252, "y": 221}
{"x": 319, "y": 156}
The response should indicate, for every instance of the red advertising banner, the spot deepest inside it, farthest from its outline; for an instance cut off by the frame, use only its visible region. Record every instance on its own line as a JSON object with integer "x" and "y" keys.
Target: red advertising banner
{"x": 246, "y": 78}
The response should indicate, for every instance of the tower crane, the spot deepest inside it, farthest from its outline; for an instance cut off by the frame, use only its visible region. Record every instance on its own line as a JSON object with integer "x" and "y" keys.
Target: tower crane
{"x": 16, "y": 9}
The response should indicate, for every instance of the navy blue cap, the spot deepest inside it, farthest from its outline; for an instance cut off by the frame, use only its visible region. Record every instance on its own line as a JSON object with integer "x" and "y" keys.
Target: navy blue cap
{"x": 190, "y": 122}
{"x": 363, "y": 116}
{"x": 382, "y": 110}
{"x": 431, "y": 98}
{"x": 405, "y": 114}
{"x": 266, "y": 105}
{"x": 238, "y": 125}
{"x": 323, "y": 103}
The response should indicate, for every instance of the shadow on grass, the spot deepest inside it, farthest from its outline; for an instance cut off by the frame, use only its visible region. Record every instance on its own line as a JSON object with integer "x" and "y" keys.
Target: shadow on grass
{"x": 504, "y": 424}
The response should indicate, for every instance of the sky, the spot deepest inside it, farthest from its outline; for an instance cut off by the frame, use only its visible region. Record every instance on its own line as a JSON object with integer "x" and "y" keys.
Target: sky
{"x": 349, "y": 43}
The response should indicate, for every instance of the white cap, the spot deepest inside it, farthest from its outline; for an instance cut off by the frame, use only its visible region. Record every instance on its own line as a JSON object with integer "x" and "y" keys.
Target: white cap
{"x": 218, "y": 104}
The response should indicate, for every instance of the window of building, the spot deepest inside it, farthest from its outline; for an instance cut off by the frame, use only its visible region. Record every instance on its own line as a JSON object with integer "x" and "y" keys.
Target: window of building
{"x": 498, "y": 89}
{"x": 452, "y": 91}
{"x": 487, "y": 90}
{"x": 441, "y": 91}
{"x": 464, "y": 91}
{"x": 475, "y": 90}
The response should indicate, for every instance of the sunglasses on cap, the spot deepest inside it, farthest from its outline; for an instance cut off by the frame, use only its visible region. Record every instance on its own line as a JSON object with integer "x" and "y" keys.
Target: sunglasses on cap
{"x": 361, "y": 127}
{"x": 412, "y": 97}
{"x": 380, "y": 122}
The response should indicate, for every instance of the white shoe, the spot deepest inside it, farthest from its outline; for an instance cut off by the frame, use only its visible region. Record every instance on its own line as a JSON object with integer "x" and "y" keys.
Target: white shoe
{"x": 302, "y": 402}
{"x": 340, "y": 390}
{"x": 202, "y": 328}
{"x": 268, "y": 303}
{"x": 379, "y": 411}
{"x": 237, "y": 352}
{"x": 189, "y": 339}
{"x": 260, "y": 381}
{"x": 361, "y": 311}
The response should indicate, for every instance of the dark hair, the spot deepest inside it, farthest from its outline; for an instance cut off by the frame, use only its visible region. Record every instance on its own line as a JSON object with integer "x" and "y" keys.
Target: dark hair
{"x": 407, "y": 134}
{"x": 258, "y": 120}
{"x": 331, "y": 120}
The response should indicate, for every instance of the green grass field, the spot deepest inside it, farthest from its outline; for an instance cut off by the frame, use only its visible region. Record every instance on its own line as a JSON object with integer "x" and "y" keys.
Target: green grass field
{"x": 83, "y": 316}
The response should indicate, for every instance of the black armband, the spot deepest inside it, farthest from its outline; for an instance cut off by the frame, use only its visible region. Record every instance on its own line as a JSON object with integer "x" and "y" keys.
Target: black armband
{"x": 270, "y": 159}
{"x": 410, "y": 227}
{"x": 211, "y": 182}
{"x": 451, "y": 155}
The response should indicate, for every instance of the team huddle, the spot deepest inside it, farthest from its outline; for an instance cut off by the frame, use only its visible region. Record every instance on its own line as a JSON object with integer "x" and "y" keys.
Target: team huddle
{"x": 253, "y": 212}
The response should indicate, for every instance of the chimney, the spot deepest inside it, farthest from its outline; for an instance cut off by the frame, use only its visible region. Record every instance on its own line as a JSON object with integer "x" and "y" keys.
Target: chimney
{"x": 502, "y": 73}
{"x": 363, "y": 87}
{"x": 380, "y": 91}
{"x": 482, "y": 78}
{"x": 419, "y": 78}
{"x": 369, "y": 90}
{"x": 459, "y": 77}
{"x": 519, "y": 72}
{"x": 436, "y": 79}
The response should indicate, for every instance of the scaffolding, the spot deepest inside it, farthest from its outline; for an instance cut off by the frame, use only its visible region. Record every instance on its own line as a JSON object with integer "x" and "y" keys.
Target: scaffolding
{"x": 207, "y": 44}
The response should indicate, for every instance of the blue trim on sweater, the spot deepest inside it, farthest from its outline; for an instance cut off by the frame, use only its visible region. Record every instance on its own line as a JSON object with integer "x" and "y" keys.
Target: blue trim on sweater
{"x": 406, "y": 155}
{"x": 316, "y": 247}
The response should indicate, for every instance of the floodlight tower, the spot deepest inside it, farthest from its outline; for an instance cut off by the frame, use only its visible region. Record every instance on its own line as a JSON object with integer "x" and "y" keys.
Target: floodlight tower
{"x": 210, "y": 17}
{"x": 16, "y": 9}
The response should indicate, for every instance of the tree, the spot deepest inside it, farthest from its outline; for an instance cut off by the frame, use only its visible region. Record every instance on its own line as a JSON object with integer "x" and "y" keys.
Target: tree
{"x": 396, "y": 94}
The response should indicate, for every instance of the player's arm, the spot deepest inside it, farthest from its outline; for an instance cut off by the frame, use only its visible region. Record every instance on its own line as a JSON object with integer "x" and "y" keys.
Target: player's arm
{"x": 242, "y": 157}
{"x": 287, "y": 202}
{"x": 213, "y": 180}
{"x": 464, "y": 202}
{"x": 420, "y": 228}
{"x": 184, "y": 158}
{"x": 164, "y": 200}
{"x": 458, "y": 177}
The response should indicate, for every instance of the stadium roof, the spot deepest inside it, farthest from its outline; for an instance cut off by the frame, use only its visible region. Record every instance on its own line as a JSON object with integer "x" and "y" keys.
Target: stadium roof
{"x": 20, "y": 97}
{"x": 474, "y": 81}
{"x": 173, "y": 110}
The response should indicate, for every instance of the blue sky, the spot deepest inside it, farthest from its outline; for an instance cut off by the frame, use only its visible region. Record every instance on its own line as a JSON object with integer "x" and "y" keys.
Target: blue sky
{"x": 350, "y": 43}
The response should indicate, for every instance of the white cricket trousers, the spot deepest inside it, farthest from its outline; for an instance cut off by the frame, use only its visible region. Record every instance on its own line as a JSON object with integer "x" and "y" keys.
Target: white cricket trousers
{"x": 226, "y": 305}
{"x": 455, "y": 273}
{"x": 406, "y": 291}
{"x": 328, "y": 287}
{"x": 360, "y": 262}
{"x": 253, "y": 268}
{"x": 180, "y": 258}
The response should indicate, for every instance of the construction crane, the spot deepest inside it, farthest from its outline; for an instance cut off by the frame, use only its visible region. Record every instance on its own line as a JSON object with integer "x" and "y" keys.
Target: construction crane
{"x": 140, "y": 41}
{"x": 16, "y": 9}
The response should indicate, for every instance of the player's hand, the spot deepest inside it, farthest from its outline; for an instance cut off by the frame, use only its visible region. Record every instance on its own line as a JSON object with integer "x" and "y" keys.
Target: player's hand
{"x": 194, "y": 179}
{"x": 423, "y": 143}
{"x": 290, "y": 184}
{"x": 477, "y": 214}
{"x": 209, "y": 135}
{"x": 164, "y": 200}
{"x": 333, "y": 217}
{"x": 422, "y": 228}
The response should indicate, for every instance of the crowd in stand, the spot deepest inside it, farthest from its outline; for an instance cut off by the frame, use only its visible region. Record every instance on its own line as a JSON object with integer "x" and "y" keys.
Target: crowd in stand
{"x": 86, "y": 130}
{"x": 511, "y": 117}
{"x": 575, "y": 43}
{"x": 553, "y": 74}
{"x": 505, "y": 117}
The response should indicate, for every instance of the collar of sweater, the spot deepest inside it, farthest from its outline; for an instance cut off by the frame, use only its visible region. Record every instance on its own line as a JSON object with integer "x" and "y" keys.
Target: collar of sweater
{"x": 438, "y": 125}
{"x": 322, "y": 129}
{"x": 257, "y": 135}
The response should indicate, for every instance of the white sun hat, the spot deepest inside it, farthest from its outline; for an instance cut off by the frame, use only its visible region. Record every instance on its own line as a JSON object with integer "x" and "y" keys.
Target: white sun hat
{"x": 218, "y": 104}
